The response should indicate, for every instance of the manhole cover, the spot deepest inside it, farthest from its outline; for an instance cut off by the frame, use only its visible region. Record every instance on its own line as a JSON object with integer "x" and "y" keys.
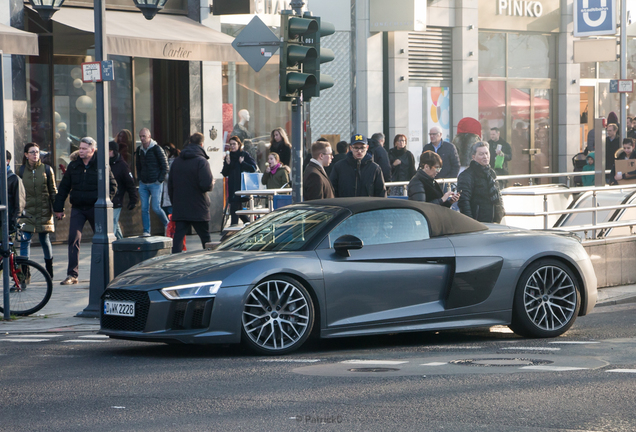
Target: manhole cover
{"x": 373, "y": 370}
{"x": 493, "y": 362}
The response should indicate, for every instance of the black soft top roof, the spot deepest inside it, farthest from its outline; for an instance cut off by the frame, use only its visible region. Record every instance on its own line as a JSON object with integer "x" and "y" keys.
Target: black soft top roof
{"x": 442, "y": 220}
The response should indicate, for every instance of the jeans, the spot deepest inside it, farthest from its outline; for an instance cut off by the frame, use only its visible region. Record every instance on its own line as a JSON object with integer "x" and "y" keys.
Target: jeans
{"x": 146, "y": 192}
{"x": 78, "y": 219}
{"x": 116, "y": 227}
{"x": 25, "y": 246}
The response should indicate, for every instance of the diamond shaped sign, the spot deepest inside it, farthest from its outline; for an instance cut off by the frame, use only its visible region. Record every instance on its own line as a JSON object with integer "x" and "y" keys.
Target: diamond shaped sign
{"x": 256, "y": 43}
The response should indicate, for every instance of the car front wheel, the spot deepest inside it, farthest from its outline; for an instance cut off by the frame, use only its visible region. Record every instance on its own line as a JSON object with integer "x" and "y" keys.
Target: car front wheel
{"x": 277, "y": 316}
{"x": 547, "y": 300}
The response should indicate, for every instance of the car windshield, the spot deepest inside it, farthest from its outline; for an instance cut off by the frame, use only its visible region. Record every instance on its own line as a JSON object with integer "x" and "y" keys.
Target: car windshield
{"x": 282, "y": 230}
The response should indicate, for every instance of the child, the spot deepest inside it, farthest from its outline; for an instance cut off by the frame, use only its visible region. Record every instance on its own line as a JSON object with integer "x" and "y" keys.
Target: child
{"x": 588, "y": 180}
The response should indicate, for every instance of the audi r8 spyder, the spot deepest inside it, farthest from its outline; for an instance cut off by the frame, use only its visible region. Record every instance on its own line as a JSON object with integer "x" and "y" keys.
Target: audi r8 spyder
{"x": 348, "y": 267}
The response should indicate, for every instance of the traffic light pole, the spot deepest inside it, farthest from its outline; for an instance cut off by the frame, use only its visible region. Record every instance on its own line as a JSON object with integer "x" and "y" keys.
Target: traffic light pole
{"x": 297, "y": 150}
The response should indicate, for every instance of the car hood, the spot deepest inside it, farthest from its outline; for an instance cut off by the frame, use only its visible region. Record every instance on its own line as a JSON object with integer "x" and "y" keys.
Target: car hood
{"x": 185, "y": 268}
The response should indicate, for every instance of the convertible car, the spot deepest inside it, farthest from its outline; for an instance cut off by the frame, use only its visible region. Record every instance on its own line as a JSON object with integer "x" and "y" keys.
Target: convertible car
{"x": 348, "y": 267}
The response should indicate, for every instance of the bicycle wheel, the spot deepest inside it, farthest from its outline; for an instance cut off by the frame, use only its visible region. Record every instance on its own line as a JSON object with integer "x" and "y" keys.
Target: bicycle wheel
{"x": 34, "y": 290}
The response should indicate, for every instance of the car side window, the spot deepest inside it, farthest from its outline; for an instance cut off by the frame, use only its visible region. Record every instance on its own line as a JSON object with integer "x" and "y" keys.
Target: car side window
{"x": 383, "y": 226}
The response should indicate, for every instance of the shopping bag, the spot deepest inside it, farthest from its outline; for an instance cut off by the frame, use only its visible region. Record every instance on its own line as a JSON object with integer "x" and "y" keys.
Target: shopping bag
{"x": 171, "y": 229}
{"x": 251, "y": 181}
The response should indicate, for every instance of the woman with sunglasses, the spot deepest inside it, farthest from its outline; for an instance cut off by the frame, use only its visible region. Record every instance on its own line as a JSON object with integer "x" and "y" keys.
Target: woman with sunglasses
{"x": 423, "y": 186}
{"x": 39, "y": 184}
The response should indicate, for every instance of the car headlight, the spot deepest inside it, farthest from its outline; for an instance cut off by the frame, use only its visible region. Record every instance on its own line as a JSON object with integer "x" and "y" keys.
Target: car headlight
{"x": 198, "y": 290}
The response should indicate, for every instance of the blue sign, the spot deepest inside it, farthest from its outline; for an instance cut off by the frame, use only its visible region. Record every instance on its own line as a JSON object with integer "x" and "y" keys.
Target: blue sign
{"x": 108, "y": 73}
{"x": 594, "y": 17}
{"x": 613, "y": 86}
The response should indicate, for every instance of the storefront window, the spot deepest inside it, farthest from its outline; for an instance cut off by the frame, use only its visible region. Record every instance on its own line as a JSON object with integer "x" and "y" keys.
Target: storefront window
{"x": 143, "y": 96}
{"x": 492, "y": 54}
{"x": 588, "y": 70}
{"x": 609, "y": 70}
{"x": 256, "y": 92}
{"x": 531, "y": 56}
{"x": 121, "y": 115}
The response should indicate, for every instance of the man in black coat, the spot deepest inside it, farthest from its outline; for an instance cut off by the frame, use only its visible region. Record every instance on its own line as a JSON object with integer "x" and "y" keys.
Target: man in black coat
{"x": 125, "y": 183}
{"x": 358, "y": 175}
{"x": 80, "y": 181}
{"x": 380, "y": 155}
{"x": 316, "y": 184}
{"x": 447, "y": 151}
{"x": 612, "y": 144}
{"x": 189, "y": 182}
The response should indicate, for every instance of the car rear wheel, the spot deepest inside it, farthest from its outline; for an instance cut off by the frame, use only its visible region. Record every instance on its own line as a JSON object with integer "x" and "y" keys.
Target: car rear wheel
{"x": 277, "y": 316}
{"x": 547, "y": 300}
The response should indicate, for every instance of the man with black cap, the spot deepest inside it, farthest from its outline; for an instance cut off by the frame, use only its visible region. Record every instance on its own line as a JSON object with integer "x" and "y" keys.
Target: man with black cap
{"x": 357, "y": 175}
{"x": 125, "y": 183}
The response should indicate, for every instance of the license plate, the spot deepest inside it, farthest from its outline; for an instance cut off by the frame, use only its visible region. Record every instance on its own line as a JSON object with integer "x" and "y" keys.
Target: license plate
{"x": 119, "y": 308}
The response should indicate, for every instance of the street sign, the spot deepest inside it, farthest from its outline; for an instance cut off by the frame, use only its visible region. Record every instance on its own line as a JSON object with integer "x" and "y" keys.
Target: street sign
{"x": 594, "y": 17}
{"x": 256, "y": 43}
{"x": 108, "y": 73}
{"x": 625, "y": 86}
{"x": 92, "y": 72}
{"x": 613, "y": 86}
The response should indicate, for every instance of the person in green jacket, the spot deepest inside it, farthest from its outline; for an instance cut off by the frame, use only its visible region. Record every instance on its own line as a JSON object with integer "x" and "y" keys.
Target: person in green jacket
{"x": 588, "y": 180}
{"x": 276, "y": 174}
{"x": 39, "y": 184}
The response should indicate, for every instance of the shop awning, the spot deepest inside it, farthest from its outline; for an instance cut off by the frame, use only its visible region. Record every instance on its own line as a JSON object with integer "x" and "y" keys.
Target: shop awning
{"x": 14, "y": 41}
{"x": 169, "y": 37}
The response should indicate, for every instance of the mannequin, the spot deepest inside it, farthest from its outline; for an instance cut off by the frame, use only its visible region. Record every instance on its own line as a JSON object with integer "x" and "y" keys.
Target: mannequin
{"x": 239, "y": 129}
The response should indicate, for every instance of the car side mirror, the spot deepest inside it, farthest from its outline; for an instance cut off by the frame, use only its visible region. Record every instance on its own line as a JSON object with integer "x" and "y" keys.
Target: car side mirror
{"x": 345, "y": 243}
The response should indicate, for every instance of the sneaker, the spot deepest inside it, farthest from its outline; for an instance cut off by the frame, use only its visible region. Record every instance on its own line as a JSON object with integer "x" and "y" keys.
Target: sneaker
{"x": 70, "y": 280}
{"x": 146, "y": 234}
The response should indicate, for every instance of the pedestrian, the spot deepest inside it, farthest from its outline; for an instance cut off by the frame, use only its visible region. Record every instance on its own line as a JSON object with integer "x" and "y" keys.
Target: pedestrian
{"x": 627, "y": 152}
{"x": 316, "y": 183}
{"x": 236, "y": 162}
{"x": 357, "y": 175}
{"x": 276, "y": 174}
{"x": 447, "y": 151}
{"x": 500, "y": 152}
{"x": 423, "y": 186}
{"x": 16, "y": 196}
{"x": 380, "y": 155}
{"x": 188, "y": 186}
{"x": 588, "y": 180}
{"x": 172, "y": 153}
{"x": 152, "y": 168}
{"x": 126, "y": 146}
{"x": 279, "y": 143}
{"x": 402, "y": 163}
{"x": 39, "y": 185}
{"x": 125, "y": 183}
{"x": 343, "y": 148}
{"x": 612, "y": 145}
{"x": 80, "y": 182}
{"x": 479, "y": 197}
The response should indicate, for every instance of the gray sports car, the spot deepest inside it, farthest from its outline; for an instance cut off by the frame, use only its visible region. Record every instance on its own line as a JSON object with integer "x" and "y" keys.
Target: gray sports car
{"x": 347, "y": 267}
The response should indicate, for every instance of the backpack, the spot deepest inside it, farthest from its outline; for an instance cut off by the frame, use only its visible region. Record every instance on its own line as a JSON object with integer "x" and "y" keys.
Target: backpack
{"x": 47, "y": 169}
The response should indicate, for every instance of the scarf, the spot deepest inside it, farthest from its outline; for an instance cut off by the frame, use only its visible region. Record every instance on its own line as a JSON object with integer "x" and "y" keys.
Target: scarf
{"x": 493, "y": 189}
{"x": 274, "y": 168}
{"x": 399, "y": 152}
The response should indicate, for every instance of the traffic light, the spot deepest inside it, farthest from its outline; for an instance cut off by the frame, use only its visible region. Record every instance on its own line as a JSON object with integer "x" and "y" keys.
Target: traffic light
{"x": 301, "y": 56}
{"x": 294, "y": 53}
{"x": 325, "y": 55}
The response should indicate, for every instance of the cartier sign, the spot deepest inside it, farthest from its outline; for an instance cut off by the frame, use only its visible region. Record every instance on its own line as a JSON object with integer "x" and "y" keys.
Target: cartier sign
{"x": 175, "y": 51}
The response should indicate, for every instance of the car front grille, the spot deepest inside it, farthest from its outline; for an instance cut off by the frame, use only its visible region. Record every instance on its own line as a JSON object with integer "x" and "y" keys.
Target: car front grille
{"x": 191, "y": 314}
{"x": 122, "y": 323}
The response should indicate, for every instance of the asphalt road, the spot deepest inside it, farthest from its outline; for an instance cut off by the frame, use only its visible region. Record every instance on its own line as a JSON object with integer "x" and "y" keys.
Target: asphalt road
{"x": 478, "y": 380}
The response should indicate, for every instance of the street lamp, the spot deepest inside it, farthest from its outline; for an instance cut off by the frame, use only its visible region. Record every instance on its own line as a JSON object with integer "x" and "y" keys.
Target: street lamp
{"x": 149, "y": 7}
{"x": 101, "y": 252}
{"x": 46, "y": 8}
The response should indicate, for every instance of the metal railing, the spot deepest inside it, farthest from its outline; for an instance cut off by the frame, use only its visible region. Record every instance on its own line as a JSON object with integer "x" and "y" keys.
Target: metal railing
{"x": 252, "y": 211}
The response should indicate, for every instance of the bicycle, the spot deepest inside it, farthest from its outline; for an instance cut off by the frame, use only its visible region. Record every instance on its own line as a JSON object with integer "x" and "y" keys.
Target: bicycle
{"x": 31, "y": 284}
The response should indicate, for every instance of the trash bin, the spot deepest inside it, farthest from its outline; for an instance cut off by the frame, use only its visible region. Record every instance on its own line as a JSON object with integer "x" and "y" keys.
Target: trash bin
{"x": 132, "y": 250}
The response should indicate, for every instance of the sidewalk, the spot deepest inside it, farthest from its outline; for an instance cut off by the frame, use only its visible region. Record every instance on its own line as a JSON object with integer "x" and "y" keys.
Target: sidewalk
{"x": 59, "y": 314}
